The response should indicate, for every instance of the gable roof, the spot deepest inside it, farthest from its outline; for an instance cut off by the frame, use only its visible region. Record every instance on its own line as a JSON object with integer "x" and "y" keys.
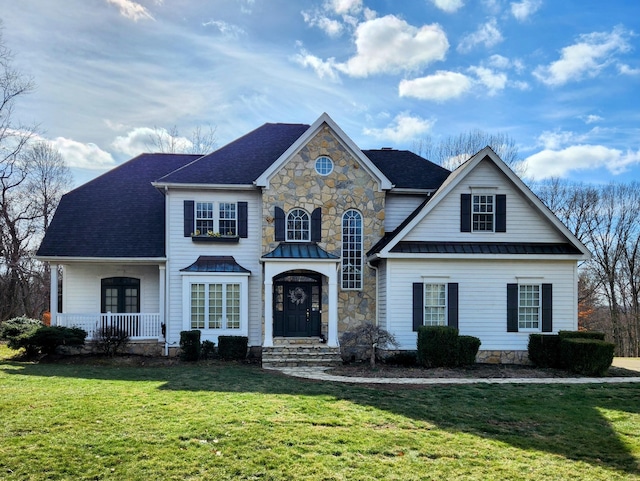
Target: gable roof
{"x": 119, "y": 214}
{"x": 389, "y": 243}
{"x": 408, "y": 170}
{"x": 240, "y": 162}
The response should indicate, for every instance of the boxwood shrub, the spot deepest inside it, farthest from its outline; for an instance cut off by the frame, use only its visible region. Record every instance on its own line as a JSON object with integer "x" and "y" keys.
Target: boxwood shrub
{"x": 544, "y": 350}
{"x": 590, "y": 357}
{"x": 581, "y": 335}
{"x": 441, "y": 346}
{"x": 190, "y": 345}
{"x": 232, "y": 348}
{"x": 468, "y": 347}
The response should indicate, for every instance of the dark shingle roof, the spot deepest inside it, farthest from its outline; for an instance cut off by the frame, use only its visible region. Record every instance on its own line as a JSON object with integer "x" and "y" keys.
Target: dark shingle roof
{"x": 119, "y": 214}
{"x": 216, "y": 264}
{"x": 243, "y": 160}
{"x": 408, "y": 170}
{"x": 299, "y": 251}
{"x": 519, "y": 248}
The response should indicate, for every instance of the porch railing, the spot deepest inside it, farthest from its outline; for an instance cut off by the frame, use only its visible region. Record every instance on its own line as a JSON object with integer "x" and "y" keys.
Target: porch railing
{"x": 138, "y": 326}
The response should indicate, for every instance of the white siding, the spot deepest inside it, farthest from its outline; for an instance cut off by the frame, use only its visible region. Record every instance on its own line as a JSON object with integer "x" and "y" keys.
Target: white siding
{"x": 182, "y": 252}
{"x": 81, "y": 286}
{"x": 382, "y": 295}
{"x": 482, "y": 296}
{"x": 397, "y": 208}
{"x": 524, "y": 223}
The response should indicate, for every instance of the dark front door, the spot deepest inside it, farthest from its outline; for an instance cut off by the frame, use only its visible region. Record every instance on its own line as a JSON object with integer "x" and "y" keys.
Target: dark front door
{"x": 296, "y": 305}
{"x": 297, "y": 310}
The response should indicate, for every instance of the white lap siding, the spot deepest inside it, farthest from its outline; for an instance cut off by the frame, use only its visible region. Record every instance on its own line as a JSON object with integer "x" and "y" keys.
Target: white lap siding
{"x": 482, "y": 292}
{"x": 397, "y": 207}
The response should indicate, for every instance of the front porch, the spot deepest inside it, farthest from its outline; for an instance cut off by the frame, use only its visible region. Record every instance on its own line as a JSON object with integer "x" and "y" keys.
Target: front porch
{"x": 139, "y": 326}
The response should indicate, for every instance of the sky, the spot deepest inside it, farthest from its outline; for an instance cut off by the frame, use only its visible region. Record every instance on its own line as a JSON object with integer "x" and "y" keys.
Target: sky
{"x": 560, "y": 78}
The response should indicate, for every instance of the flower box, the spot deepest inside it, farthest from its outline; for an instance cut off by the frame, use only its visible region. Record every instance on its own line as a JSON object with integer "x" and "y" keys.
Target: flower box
{"x": 222, "y": 238}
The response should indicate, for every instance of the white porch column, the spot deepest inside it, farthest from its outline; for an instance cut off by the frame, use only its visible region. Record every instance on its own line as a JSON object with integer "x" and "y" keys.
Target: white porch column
{"x": 332, "y": 333}
{"x": 268, "y": 313}
{"x": 53, "y": 304}
{"x": 162, "y": 292}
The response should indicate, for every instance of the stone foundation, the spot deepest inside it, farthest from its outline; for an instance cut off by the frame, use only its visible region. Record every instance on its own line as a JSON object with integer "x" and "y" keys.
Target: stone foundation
{"x": 503, "y": 357}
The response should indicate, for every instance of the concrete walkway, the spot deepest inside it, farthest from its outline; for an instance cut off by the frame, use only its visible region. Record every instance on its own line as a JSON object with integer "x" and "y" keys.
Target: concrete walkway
{"x": 320, "y": 374}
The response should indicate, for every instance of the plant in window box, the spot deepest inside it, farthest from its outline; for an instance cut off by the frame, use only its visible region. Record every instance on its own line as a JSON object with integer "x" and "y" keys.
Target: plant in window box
{"x": 211, "y": 236}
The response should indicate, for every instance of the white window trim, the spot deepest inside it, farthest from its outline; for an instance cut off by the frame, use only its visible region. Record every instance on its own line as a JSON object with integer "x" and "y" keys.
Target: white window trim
{"x": 216, "y": 215}
{"x": 530, "y": 282}
{"x": 286, "y": 226}
{"x": 488, "y": 193}
{"x": 439, "y": 282}
{"x": 315, "y": 165}
{"x": 342, "y": 257}
{"x": 207, "y": 278}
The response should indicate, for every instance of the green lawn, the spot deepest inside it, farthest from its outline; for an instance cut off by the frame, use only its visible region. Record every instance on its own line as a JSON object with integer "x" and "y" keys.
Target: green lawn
{"x": 227, "y": 421}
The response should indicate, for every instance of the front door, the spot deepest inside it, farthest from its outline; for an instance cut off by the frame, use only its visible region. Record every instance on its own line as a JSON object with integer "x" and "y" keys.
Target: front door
{"x": 297, "y": 310}
{"x": 296, "y": 303}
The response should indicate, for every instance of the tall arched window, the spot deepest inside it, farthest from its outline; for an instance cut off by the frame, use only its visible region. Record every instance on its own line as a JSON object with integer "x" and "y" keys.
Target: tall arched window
{"x": 352, "y": 250}
{"x": 298, "y": 226}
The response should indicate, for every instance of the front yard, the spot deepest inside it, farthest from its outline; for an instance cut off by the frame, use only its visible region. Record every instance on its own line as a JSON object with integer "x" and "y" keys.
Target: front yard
{"x": 231, "y": 421}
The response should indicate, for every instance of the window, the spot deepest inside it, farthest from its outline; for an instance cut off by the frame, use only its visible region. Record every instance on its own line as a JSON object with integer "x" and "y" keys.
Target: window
{"x": 120, "y": 294}
{"x": 435, "y": 304}
{"x": 223, "y": 220}
{"x": 529, "y": 307}
{"x": 227, "y": 219}
{"x": 298, "y": 226}
{"x": 215, "y": 306}
{"x": 352, "y": 250}
{"x": 483, "y": 212}
{"x": 324, "y": 165}
{"x": 204, "y": 217}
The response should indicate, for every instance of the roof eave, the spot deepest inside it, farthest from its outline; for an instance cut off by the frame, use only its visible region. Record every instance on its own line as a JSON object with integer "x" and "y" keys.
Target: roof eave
{"x": 185, "y": 186}
{"x": 104, "y": 260}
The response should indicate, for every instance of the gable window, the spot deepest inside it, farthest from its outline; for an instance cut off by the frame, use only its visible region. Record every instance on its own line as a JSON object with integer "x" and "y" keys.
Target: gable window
{"x": 215, "y": 306}
{"x": 324, "y": 165}
{"x": 352, "y": 250}
{"x": 120, "y": 295}
{"x": 298, "y": 226}
{"x": 483, "y": 212}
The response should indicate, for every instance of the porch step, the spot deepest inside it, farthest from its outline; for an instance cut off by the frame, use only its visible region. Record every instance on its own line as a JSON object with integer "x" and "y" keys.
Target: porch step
{"x": 297, "y": 355}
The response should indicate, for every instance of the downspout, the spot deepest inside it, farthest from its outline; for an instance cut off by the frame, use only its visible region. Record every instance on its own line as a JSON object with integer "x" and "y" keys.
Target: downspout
{"x": 371, "y": 266}
{"x": 166, "y": 272}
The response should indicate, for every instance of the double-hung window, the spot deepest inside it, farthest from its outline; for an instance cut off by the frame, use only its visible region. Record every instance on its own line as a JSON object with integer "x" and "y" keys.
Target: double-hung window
{"x": 435, "y": 304}
{"x": 529, "y": 304}
{"x": 215, "y": 305}
{"x": 483, "y": 209}
{"x": 227, "y": 219}
{"x": 204, "y": 217}
{"x": 216, "y": 218}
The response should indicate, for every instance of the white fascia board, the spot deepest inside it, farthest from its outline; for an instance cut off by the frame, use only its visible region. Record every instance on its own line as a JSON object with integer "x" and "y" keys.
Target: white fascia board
{"x": 166, "y": 185}
{"x": 523, "y": 257}
{"x": 103, "y": 260}
{"x": 344, "y": 139}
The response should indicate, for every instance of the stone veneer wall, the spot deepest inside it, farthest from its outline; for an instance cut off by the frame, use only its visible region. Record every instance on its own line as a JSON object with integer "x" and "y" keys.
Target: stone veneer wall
{"x": 349, "y": 186}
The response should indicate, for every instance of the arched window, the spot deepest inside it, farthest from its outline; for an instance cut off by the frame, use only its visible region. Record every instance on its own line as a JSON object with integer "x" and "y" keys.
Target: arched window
{"x": 352, "y": 250}
{"x": 298, "y": 226}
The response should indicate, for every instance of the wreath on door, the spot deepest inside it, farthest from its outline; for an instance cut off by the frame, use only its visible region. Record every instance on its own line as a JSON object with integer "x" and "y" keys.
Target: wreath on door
{"x": 297, "y": 296}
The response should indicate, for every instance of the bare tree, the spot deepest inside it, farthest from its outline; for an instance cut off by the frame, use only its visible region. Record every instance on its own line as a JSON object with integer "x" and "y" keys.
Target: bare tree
{"x": 454, "y": 150}
{"x": 169, "y": 141}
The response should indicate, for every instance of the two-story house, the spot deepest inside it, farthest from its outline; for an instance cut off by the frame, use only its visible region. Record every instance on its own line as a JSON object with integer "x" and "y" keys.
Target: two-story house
{"x": 292, "y": 235}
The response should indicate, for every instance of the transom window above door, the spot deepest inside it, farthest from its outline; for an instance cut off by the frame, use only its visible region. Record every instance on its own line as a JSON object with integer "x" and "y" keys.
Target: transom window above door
{"x": 298, "y": 226}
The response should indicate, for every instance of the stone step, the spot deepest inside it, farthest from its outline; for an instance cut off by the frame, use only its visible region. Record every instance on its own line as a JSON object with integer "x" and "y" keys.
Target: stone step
{"x": 300, "y": 356}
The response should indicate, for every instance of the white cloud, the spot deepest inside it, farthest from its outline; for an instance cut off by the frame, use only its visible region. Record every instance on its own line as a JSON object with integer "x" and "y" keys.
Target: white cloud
{"x": 449, "y": 6}
{"x": 81, "y": 155}
{"x": 145, "y": 139}
{"x": 560, "y": 163}
{"x": 131, "y": 10}
{"x": 439, "y": 87}
{"x": 626, "y": 70}
{"x": 322, "y": 68}
{"x": 591, "y": 119}
{"x": 389, "y": 44}
{"x": 554, "y": 140}
{"x": 344, "y": 7}
{"x": 330, "y": 26}
{"x": 487, "y": 35}
{"x": 226, "y": 29}
{"x": 494, "y": 81}
{"x": 522, "y": 10}
{"x": 404, "y": 127}
{"x": 498, "y": 61}
{"x": 587, "y": 57}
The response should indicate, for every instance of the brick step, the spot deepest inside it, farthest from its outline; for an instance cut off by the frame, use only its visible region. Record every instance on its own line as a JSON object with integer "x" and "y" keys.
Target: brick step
{"x": 300, "y": 356}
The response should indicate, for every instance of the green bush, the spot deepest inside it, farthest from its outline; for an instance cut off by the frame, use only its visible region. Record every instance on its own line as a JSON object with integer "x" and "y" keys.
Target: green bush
{"x": 544, "y": 350}
{"x": 581, "y": 335}
{"x": 590, "y": 357}
{"x": 437, "y": 346}
{"x": 47, "y": 339}
{"x": 13, "y": 330}
{"x": 207, "y": 350}
{"x": 402, "y": 358}
{"x": 232, "y": 348}
{"x": 468, "y": 347}
{"x": 190, "y": 345}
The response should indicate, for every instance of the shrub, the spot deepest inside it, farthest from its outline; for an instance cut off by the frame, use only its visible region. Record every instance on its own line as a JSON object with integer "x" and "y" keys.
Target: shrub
{"x": 468, "y": 347}
{"x": 544, "y": 350}
{"x": 111, "y": 339}
{"x": 402, "y": 358}
{"x": 437, "y": 346}
{"x": 207, "y": 350}
{"x": 47, "y": 339}
{"x": 232, "y": 348}
{"x": 364, "y": 341}
{"x": 581, "y": 335}
{"x": 590, "y": 357}
{"x": 190, "y": 345}
{"x": 13, "y": 330}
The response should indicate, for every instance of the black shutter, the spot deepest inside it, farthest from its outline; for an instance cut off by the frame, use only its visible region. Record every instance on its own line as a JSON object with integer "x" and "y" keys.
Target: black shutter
{"x": 452, "y": 304}
{"x": 465, "y": 212}
{"x": 279, "y": 220}
{"x": 547, "y": 308}
{"x": 242, "y": 220}
{"x": 501, "y": 213}
{"x": 316, "y": 225}
{"x": 189, "y": 215}
{"x": 512, "y": 307}
{"x": 418, "y": 305}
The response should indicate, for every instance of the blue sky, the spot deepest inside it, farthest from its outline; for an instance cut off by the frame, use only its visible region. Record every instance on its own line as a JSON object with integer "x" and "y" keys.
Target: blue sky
{"x": 561, "y": 78}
